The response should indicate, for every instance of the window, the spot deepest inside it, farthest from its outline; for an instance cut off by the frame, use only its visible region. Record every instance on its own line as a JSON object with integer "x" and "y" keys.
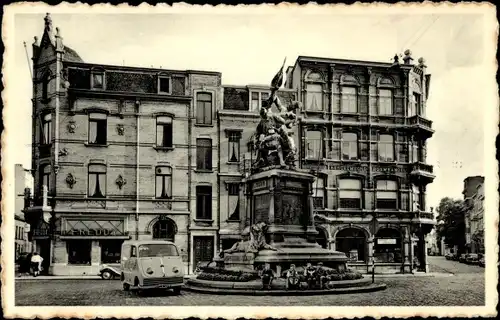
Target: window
{"x": 233, "y": 191}
{"x": 204, "y": 202}
{"x": 349, "y": 100}
{"x": 45, "y": 87}
{"x": 258, "y": 100}
{"x": 97, "y": 80}
{"x": 234, "y": 138}
{"x": 416, "y": 198}
{"x": 157, "y": 250}
{"x": 164, "y": 131}
{"x": 352, "y": 242}
{"x": 204, "y": 108}
{"x": 416, "y": 104}
{"x": 163, "y": 183}
{"x": 164, "y": 84}
{"x": 97, "y": 128}
{"x": 387, "y": 194}
{"x": 314, "y": 97}
{"x": 164, "y": 229}
{"x": 45, "y": 177}
{"x": 111, "y": 251}
{"x": 349, "y": 146}
{"x": 97, "y": 181}
{"x": 387, "y": 246}
{"x": 385, "y": 102}
{"x": 79, "y": 251}
{"x": 204, "y": 154}
{"x": 386, "y": 147}
{"x": 46, "y": 133}
{"x": 319, "y": 193}
{"x": 133, "y": 251}
{"x": 314, "y": 145}
{"x": 350, "y": 193}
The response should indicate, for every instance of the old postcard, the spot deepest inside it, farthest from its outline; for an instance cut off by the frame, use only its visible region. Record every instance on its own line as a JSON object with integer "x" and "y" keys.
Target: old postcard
{"x": 298, "y": 161}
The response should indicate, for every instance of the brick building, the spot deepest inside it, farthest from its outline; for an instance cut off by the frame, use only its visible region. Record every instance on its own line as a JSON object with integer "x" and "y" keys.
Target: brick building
{"x": 474, "y": 225}
{"x": 125, "y": 153}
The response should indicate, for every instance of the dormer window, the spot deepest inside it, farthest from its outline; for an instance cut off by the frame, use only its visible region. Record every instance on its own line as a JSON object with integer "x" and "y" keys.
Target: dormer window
{"x": 164, "y": 84}
{"x": 258, "y": 100}
{"x": 97, "y": 80}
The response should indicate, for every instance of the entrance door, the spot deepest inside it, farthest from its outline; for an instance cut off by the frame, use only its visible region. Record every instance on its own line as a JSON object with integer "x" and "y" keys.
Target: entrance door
{"x": 203, "y": 250}
{"x": 44, "y": 247}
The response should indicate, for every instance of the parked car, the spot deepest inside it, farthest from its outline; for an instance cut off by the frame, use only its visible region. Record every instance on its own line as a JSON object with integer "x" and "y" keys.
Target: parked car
{"x": 109, "y": 271}
{"x": 449, "y": 256}
{"x": 472, "y": 258}
{"x": 462, "y": 257}
{"x": 481, "y": 261}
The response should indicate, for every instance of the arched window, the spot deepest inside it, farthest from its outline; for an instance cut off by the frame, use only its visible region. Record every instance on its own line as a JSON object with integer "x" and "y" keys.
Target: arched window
{"x": 314, "y": 97}
{"x": 164, "y": 229}
{"x": 385, "y": 102}
{"x": 164, "y": 132}
{"x": 388, "y": 246}
{"x": 349, "y": 100}
{"x": 352, "y": 242}
{"x": 204, "y": 108}
{"x": 46, "y": 133}
{"x": 44, "y": 177}
{"x": 163, "y": 183}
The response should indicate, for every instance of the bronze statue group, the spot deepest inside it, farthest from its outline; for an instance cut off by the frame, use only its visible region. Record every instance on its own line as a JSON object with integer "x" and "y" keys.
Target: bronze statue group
{"x": 314, "y": 277}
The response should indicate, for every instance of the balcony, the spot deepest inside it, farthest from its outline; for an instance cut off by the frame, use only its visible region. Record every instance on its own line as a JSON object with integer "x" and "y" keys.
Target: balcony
{"x": 422, "y": 172}
{"x": 421, "y": 125}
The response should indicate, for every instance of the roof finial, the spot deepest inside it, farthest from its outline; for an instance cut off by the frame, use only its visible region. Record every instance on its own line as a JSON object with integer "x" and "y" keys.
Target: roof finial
{"x": 408, "y": 58}
{"x": 58, "y": 34}
{"x": 36, "y": 41}
{"x": 48, "y": 20}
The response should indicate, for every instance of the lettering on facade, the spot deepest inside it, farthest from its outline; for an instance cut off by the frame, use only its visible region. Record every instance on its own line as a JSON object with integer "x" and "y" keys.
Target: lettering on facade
{"x": 386, "y": 241}
{"x": 341, "y": 167}
{"x": 93, "y": 228}
{"x": 260, "y": 184}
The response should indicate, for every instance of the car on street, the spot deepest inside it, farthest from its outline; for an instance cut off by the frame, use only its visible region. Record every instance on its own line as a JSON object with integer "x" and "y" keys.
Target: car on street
{"x": 449, "y": 256}
{"x": 462, "y": 257}
{"x": 472, "y": 258}
{"x": 109, "y": 271}
{"x": 151, "y": 264}
{"x": 481, "y": 261}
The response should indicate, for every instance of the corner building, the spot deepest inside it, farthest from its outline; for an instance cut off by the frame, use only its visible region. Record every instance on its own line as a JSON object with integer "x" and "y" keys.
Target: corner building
{"x": 364, "y": 132}
{"x": 124, "y": 153}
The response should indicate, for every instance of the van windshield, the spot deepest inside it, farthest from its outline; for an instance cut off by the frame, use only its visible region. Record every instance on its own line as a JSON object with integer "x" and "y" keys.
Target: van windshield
{"x": 157, "y": 250}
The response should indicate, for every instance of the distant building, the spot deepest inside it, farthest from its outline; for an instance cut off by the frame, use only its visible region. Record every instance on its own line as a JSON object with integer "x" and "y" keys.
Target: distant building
{"x": 23, "y": 181}
{"x": 473, "y": 197}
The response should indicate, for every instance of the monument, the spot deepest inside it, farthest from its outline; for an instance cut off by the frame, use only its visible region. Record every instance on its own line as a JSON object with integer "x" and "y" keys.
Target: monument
{"x": 278, "y": 229}
{"x": 279, "y": 197}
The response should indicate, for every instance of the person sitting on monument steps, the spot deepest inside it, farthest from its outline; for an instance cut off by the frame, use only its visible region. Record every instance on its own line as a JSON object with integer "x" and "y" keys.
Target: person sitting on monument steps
{"x": 320, "y": 275}
{"x": 310, "y": 275}
{"x": 292, "y": 278}
{"x": 267, "y": 277}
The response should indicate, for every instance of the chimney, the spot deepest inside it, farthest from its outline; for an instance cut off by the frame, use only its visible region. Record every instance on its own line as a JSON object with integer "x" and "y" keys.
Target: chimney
{"x": 407, "y": 58}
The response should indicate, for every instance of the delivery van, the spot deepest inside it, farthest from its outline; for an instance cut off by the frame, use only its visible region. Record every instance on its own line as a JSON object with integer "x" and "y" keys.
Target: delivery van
{"x": 151, "y": 264}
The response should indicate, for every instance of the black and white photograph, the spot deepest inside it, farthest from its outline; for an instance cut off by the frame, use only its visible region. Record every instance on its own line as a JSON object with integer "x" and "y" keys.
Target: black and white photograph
{"x": 288, "y": 160}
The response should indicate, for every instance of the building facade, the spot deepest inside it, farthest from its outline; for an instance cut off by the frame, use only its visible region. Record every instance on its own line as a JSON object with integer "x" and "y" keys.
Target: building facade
{"x": 23, "y": 183}
{"x": 124, "y": 153}
{"x": 364, "y": 133}
{"x": 473, "y": 196}
{"x": 474, "y": 223}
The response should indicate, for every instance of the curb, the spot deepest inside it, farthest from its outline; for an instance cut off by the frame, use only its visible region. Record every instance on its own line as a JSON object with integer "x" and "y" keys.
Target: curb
{"x": 253, "y": 292}
{"x": 59, "y": 278}
{"x": 410, "y": 275}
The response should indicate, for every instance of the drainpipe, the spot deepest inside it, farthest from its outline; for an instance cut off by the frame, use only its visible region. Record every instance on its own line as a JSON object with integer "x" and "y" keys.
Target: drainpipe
{"x": 219, "y": 244}
{"x": 137, "y": 152}
{"x": 190, "y": 132}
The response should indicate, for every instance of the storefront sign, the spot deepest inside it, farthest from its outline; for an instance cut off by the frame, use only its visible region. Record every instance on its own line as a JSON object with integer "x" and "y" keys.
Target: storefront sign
{"x": 386, "y": 241}
{"x": 89, "y": 228}
{"x": 342, "y": 167}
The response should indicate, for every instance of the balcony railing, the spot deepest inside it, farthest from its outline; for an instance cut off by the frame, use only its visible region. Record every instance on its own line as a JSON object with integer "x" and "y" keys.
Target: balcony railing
{"x": 422, "y": 124}
{"x": 422, "y": 167}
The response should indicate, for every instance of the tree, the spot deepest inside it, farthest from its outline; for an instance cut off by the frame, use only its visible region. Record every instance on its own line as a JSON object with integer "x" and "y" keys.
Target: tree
{"x": 452, "y": 214}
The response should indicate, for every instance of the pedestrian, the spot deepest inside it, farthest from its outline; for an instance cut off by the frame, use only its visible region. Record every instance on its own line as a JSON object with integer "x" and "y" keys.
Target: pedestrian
{"x": 320, "y": 275}
{"x": 267, "y": 277}
{"x": 309, "y": 274}
{"x": 36, "y": 263}
{"x": 292, "y": 278}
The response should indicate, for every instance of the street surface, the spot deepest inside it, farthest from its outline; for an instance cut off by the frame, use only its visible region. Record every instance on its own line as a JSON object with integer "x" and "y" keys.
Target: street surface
{"x": 465, "y": 288}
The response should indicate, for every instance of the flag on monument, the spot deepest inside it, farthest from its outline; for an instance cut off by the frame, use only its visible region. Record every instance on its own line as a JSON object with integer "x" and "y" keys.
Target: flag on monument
{"x": 278, "y": 78}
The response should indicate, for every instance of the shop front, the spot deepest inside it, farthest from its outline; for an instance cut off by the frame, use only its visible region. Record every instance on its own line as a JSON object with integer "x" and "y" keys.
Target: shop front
{"x": 86, "y": 243}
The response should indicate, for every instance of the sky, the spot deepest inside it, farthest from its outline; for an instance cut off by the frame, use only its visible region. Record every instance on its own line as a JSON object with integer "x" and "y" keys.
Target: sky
{"x": 248, "y": 48}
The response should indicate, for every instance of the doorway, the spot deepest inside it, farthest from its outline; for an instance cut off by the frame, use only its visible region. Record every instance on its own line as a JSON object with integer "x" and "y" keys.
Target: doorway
{"x": 203, "y": 250}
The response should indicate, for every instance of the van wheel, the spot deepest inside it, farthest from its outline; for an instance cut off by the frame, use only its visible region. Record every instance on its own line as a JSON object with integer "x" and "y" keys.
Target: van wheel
{"x": 106, "y": 275}
{"x": 126, "y": 287}
{"x": 177, "y": 290}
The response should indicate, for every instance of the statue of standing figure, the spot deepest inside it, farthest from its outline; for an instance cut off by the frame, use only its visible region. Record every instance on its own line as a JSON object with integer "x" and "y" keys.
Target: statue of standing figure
{"x": 273, "y": 138}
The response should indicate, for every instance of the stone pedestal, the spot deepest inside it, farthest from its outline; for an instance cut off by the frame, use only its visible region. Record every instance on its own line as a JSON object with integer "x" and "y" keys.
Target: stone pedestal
{"x": 283, "y": 200}
{"x": 239, "y": 261}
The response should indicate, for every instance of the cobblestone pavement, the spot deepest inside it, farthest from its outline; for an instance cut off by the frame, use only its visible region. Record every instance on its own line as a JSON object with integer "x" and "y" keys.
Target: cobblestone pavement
{"x": 402, "y": 291}
{"x": 440, "y": 264}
